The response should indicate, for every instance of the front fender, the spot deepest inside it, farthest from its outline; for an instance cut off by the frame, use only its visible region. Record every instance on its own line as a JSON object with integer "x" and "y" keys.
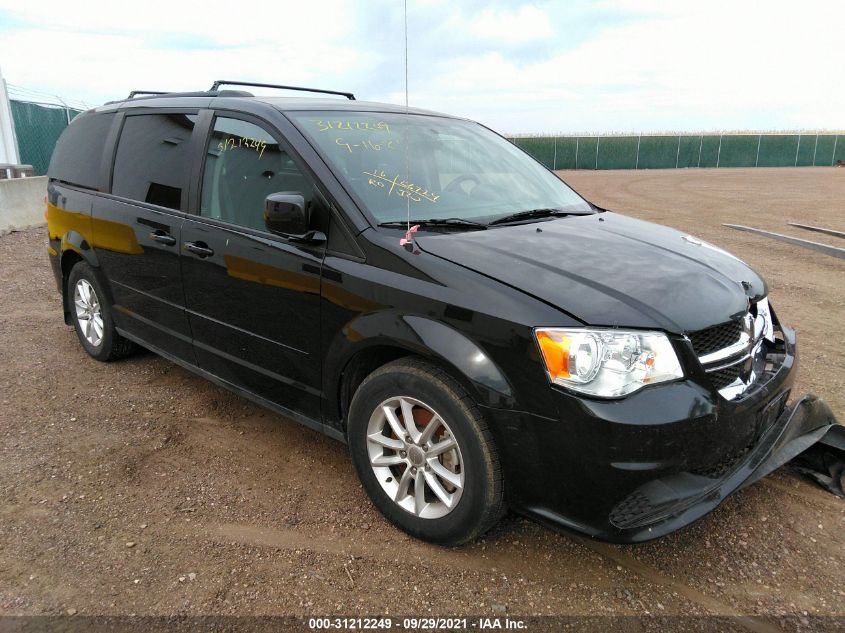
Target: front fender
{"x": 425, "y": 337}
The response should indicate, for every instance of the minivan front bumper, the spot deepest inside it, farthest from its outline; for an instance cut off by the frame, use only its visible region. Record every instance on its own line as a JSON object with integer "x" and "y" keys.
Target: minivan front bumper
{"x": 634, "y": 469}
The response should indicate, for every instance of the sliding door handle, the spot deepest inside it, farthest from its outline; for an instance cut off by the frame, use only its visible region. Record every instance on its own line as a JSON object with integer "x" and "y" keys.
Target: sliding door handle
{"x": 199, "y": 249}
{"x": 162, "y": 238}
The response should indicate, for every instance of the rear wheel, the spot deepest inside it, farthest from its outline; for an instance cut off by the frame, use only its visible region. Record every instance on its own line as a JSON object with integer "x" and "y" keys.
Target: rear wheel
{"x": 424, "y": 453}
{"x": 92, "y": 316}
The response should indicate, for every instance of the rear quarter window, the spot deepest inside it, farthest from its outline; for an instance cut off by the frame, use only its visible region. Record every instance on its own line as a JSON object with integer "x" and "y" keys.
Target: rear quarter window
{"x": 78, "y": 155}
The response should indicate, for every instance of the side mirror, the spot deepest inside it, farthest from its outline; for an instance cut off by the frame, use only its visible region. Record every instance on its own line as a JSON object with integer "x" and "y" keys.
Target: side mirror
{"x": 284, "y": 214}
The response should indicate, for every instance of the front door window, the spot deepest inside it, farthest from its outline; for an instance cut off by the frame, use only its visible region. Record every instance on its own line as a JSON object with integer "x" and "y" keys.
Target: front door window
{"x": 244, "y": 165}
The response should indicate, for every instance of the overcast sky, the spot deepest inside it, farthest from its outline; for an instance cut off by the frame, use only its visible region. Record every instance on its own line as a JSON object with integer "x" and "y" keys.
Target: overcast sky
{"x": 569, "y": 66}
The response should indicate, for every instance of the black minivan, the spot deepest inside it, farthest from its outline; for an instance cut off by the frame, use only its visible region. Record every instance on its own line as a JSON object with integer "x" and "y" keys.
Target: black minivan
{"x": 416, "y": 286}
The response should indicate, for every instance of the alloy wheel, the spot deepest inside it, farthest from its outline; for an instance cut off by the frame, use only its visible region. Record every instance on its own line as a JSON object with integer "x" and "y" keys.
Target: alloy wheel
{"x": 88, "y": 312}
{"x": 415, "y": 457}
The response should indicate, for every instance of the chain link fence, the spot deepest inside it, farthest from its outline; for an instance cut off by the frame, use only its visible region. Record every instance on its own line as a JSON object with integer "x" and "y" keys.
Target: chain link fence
{"x": 685, "y": 150}
{"x": 37, "y": 128}
{"x": 38, "y": 119}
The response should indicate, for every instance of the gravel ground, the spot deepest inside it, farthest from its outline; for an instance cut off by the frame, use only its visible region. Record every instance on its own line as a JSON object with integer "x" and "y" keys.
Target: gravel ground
{"x": 138, "y": 488}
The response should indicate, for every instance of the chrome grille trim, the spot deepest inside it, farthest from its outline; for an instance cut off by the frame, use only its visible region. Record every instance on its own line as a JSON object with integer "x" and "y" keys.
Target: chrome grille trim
{"x": 742, "y": 345}
{"x": 735, "y": 361}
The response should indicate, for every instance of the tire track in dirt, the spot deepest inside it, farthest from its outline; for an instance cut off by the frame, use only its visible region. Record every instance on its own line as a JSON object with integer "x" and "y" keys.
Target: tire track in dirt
{"x": 384, "y": 549}
{"x": 531, "y": 565}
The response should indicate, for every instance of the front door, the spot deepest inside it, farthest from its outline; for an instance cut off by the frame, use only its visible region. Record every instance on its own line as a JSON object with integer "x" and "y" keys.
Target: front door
{"x": 253, "y": 297}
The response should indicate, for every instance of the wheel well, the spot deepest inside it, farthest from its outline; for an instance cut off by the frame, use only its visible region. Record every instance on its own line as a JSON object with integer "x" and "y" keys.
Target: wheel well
{"x": 362, "y": 365}
{"x": 69, "y": 260}
{"x": 368, "y": 360}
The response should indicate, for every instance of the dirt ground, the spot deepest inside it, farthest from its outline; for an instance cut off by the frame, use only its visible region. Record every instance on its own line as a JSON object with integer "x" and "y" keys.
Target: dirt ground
{"x": 138, "y": 488}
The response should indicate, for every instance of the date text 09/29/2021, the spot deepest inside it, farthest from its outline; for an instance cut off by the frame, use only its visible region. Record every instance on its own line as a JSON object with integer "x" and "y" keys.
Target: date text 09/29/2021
{"x": 414, "y": 624}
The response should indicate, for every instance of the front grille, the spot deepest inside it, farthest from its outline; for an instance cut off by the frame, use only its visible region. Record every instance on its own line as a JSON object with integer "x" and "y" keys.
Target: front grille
{"x": 721, "y": 378}
{"x": 714, "y": 338}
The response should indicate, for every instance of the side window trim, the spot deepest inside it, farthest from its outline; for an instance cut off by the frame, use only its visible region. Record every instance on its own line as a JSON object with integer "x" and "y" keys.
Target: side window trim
{"x": 199, "y": 142}
{"x": 144, "y": 205}
{"x": 109, "y": 153}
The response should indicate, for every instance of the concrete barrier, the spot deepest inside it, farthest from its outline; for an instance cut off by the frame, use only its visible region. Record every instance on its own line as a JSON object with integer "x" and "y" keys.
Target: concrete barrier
{"x": 22, "y": 203}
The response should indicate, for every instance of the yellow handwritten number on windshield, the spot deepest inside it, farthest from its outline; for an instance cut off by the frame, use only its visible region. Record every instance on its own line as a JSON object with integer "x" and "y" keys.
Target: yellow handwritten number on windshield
{"x": 402, "y": 188}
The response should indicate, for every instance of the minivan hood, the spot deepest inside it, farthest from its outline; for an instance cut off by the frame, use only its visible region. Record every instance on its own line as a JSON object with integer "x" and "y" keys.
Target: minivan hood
{"x": 606, "y": 269}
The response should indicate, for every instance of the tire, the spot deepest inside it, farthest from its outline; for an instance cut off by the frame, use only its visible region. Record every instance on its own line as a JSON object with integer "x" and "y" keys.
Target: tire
{"x": 462, "y": 488}
{"x": 91, "y": 314}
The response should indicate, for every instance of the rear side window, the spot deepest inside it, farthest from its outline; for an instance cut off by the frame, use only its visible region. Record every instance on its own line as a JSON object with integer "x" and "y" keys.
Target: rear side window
{"x": 79, "y": 151}
{"x": 152, "y": 160}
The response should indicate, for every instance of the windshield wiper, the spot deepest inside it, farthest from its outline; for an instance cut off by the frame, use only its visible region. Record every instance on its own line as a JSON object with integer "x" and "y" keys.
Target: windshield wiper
{"x": 530, "y": 214}
{"x": 456, "y": 222}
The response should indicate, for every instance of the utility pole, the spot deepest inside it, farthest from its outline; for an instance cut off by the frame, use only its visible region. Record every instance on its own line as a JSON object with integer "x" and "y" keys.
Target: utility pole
{"x": 8, "y": 145}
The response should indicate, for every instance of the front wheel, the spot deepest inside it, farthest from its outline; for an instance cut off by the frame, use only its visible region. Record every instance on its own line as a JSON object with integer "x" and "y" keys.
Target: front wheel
{"x": 424, "y": 453}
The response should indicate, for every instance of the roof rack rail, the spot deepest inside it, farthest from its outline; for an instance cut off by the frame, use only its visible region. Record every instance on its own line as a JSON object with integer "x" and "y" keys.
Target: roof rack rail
{"x": 144, "y": 92}
{"x": 221, "y": 82}
{"x": 141, "y": 95}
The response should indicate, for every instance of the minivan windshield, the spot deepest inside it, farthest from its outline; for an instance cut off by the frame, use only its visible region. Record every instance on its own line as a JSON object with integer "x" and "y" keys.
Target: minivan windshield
{"x": 433, "y": 167}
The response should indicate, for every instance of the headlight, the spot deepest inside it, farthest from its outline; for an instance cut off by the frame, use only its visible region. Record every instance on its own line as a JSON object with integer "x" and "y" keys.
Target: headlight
{"x": 607, "y": 363}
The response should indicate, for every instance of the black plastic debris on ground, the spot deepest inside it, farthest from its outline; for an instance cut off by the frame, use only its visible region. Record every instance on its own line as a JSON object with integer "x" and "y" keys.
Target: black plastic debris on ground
{"x": 824, "y": 461}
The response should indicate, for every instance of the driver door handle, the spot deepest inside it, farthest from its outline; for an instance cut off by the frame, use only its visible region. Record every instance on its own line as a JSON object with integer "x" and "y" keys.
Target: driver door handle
{"x": 199, "y": 249}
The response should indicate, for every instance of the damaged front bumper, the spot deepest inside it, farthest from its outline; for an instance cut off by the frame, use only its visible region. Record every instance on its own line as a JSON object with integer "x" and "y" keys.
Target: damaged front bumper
{"x": 638, "y": 468}
{"x": 674, "y": 501}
